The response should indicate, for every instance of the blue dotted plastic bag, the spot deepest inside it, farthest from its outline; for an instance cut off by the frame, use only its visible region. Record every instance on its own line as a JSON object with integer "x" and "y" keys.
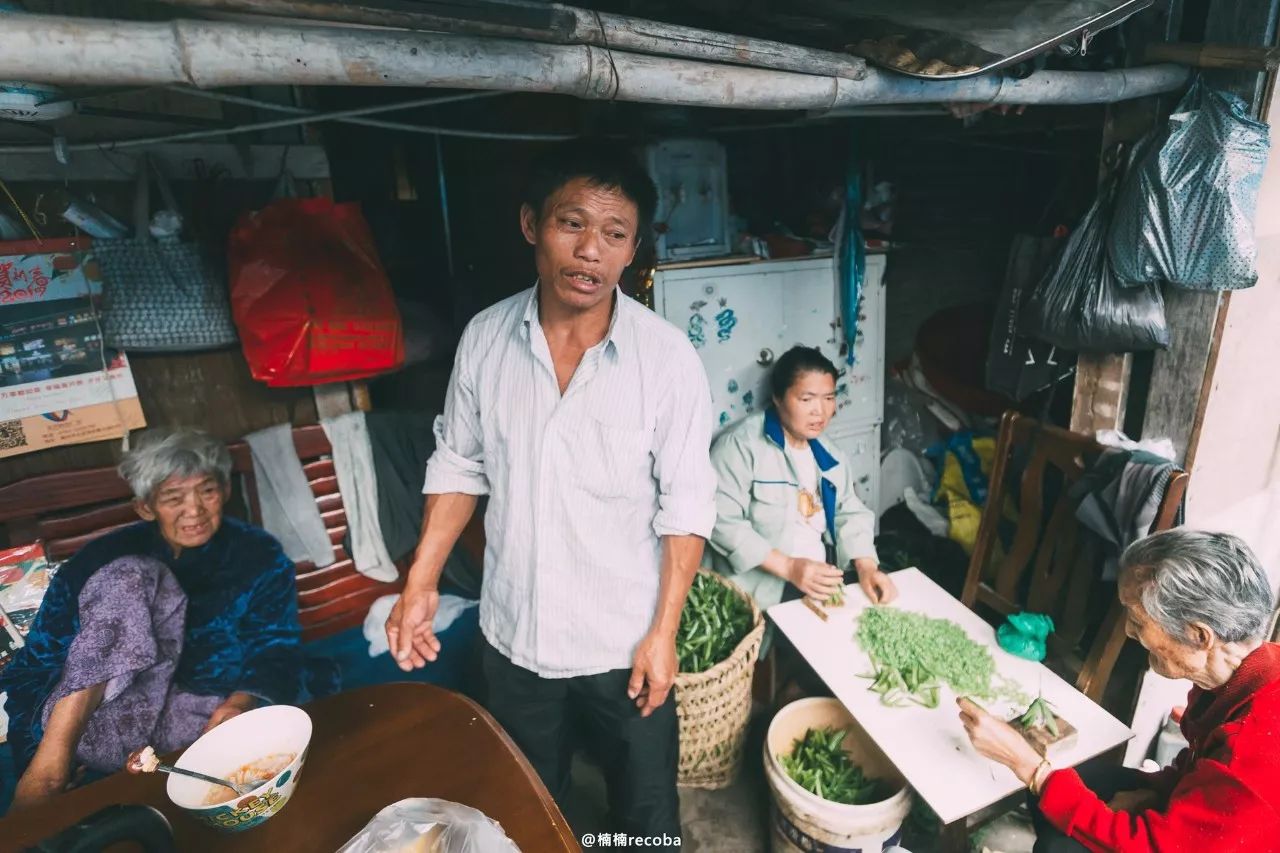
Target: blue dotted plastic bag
{"x": 1186, "y": 213}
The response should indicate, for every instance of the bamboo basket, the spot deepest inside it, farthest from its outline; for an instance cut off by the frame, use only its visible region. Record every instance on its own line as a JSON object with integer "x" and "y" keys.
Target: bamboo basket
{"x": 714, "y": 706}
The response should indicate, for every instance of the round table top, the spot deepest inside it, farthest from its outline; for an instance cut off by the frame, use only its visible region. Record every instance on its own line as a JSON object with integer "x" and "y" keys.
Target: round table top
{"x": 370, "y": 748}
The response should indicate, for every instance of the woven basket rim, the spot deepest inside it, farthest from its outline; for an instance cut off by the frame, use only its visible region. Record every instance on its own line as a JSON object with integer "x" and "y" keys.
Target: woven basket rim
{"x": 752, "y": 637}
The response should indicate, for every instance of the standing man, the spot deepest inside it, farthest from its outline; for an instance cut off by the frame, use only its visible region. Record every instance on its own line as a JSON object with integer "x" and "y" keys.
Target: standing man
{"x": 586, "y": 419}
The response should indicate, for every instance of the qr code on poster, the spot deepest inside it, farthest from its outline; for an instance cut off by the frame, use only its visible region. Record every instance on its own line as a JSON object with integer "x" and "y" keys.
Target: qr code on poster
{"x": 12, "y": 435}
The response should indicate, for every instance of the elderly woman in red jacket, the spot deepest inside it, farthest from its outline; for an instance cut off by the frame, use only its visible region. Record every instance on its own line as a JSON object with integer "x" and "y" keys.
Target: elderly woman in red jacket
{"x": 1201, "y": 605}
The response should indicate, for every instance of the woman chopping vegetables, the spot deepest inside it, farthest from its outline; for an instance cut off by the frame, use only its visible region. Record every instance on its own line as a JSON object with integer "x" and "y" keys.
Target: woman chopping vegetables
{"x": 1201, "y": 605}
{"x": 788, "y": 522}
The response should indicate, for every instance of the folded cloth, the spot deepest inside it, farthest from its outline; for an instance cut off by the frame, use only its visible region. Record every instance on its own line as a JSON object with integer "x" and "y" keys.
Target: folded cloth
{"x": 358, "y": 483}
{"x": 1119, "y": 497}
{"x": 132, "y": 618}
{"x": 288, "y": 507}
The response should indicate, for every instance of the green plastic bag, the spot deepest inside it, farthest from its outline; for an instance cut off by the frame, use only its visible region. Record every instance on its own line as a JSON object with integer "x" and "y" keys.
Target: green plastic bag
{"x": 1024, "y": 635}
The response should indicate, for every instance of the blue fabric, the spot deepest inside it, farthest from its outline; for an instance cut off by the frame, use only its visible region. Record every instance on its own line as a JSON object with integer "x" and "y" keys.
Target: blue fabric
{"x": 242, "y": 630}
{"x": 853, "y": 259}
{"x": 8, "y": 780}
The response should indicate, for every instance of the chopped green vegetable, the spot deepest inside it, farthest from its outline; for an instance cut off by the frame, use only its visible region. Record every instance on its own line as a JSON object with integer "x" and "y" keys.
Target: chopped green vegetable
{"x": 1039, "y": 714}
{"x": 912, "y": 653}
{"x": 837, "y": 597}
{"x": 819, "y": 764}
{"x": 715, "y": 619}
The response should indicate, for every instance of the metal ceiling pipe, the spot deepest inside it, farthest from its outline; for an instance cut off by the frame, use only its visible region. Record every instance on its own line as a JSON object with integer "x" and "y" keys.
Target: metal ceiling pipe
{"x": 80, "y": 51}
{"x": 564, "y": 25}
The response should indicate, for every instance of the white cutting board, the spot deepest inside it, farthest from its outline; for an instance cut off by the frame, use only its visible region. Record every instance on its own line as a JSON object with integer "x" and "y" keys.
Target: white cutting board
{"x": 928, "y": 745}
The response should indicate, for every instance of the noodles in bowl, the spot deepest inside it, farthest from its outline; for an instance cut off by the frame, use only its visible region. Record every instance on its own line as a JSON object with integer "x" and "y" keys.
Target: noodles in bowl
{"x": 254, "y": 773}
{"x": 265, "y": 748}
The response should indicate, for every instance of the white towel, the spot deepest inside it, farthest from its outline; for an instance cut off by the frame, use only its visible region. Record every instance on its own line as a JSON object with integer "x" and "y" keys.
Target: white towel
{"x": 358, "y": 483}
{"x": 289, "y": 510}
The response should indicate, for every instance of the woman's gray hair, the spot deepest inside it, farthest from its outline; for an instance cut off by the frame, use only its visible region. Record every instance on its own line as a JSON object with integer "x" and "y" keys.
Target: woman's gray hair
{"x": 159, "y": 455}
{"x": 1190, "y": 576}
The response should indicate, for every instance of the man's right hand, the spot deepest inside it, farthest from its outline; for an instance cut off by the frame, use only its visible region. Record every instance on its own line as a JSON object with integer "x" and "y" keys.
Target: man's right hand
{"x": 409, "y": 632}
{"x": 815, "y": 579}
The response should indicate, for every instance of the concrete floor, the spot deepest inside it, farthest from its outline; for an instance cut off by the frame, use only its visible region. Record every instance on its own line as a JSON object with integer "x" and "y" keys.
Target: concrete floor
{"x": 730, "y": 820}
{"x": 735, "y": 819}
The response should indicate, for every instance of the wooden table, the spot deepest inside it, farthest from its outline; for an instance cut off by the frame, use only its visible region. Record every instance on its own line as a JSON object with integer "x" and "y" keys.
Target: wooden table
{"x": 929, "y": 745}
{"x": 370, "y": 748}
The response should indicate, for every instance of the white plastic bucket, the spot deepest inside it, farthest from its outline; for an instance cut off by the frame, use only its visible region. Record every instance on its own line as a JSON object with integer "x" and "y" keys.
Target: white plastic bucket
{"x": 804, "y": 822}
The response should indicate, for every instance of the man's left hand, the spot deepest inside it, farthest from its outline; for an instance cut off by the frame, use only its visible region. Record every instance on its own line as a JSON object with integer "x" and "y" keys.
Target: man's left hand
{"x": 876, "y": 585}
{"x": 653, "y": 672}
{"x": 233, "y": 706}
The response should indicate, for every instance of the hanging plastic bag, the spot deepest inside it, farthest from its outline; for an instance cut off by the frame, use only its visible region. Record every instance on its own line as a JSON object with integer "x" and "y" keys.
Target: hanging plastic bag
{"x": 162, "y": 293}
{"x": 430, "y": 826}
{"x": 1186, "y": 214}
{"x": 309, "y": 295}
{"x": 1081, "y": 305}
{"x": 851, "y": 266}
{"x": 1018, "y": 365}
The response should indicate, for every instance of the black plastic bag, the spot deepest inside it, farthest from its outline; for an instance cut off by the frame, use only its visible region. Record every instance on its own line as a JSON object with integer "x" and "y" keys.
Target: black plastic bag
{"x": 1019, "y": 365}
{"x": 1081, "y": 305}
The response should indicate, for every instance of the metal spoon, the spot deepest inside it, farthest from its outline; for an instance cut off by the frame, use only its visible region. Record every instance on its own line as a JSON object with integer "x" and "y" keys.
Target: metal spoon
{"x": 136, "y": 764}
{"x": 212, "y": 780}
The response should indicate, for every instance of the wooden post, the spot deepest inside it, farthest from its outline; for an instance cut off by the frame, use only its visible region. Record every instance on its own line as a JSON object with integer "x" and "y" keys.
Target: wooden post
{"x": 332, "y": 399}
{"x": 1102, "y": 391}
{"x": 1182, "y": 374}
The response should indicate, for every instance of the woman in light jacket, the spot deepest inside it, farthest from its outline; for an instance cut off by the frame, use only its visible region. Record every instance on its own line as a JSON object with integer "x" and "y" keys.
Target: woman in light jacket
{"x": 788, "y": 523}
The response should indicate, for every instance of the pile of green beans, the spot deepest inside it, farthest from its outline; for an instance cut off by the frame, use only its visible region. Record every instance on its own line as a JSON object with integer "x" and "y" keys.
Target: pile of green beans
{"x": 715, "y": 619}
{"x": 819, "y": 764}
{"x": 913, "y": 653}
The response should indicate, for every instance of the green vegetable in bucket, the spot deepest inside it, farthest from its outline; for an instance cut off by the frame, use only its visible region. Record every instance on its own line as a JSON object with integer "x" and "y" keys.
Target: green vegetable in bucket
{"x": 715, "y": 619}
{"x": 819, "y": 764}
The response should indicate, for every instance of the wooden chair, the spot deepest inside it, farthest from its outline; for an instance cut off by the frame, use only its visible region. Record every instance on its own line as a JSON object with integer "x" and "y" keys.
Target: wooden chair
{"x": 336, "y": 597}
{"x": 70, "y": 508}
{"x": 1048, "y": 567}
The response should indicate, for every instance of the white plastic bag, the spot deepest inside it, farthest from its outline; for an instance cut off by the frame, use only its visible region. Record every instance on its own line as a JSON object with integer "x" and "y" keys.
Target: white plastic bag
{"x": 421, "y": 825}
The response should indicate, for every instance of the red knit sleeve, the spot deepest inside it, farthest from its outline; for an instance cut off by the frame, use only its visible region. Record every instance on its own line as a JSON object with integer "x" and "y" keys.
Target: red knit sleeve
{"x": 1211, "y": 806}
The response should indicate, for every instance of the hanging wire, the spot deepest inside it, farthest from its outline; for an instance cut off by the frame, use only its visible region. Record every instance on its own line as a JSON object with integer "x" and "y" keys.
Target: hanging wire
{"x": 382, "y": 123}
{"x": 608, "y": 51}
{"x": 26, "y": 220}
{"x": 303, "y": 116}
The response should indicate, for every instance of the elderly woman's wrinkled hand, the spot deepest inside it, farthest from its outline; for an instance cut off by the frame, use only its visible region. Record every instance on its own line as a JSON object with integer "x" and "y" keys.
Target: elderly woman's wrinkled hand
{"x": 999, "y": 741}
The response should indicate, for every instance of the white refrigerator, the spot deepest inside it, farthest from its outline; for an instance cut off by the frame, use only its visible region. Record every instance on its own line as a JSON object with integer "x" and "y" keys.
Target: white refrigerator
{"x": 741, "y": 317}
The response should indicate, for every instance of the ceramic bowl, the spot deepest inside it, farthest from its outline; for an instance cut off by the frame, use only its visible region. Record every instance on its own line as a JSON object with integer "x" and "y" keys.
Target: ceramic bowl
{"x": 241, "y": 740}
